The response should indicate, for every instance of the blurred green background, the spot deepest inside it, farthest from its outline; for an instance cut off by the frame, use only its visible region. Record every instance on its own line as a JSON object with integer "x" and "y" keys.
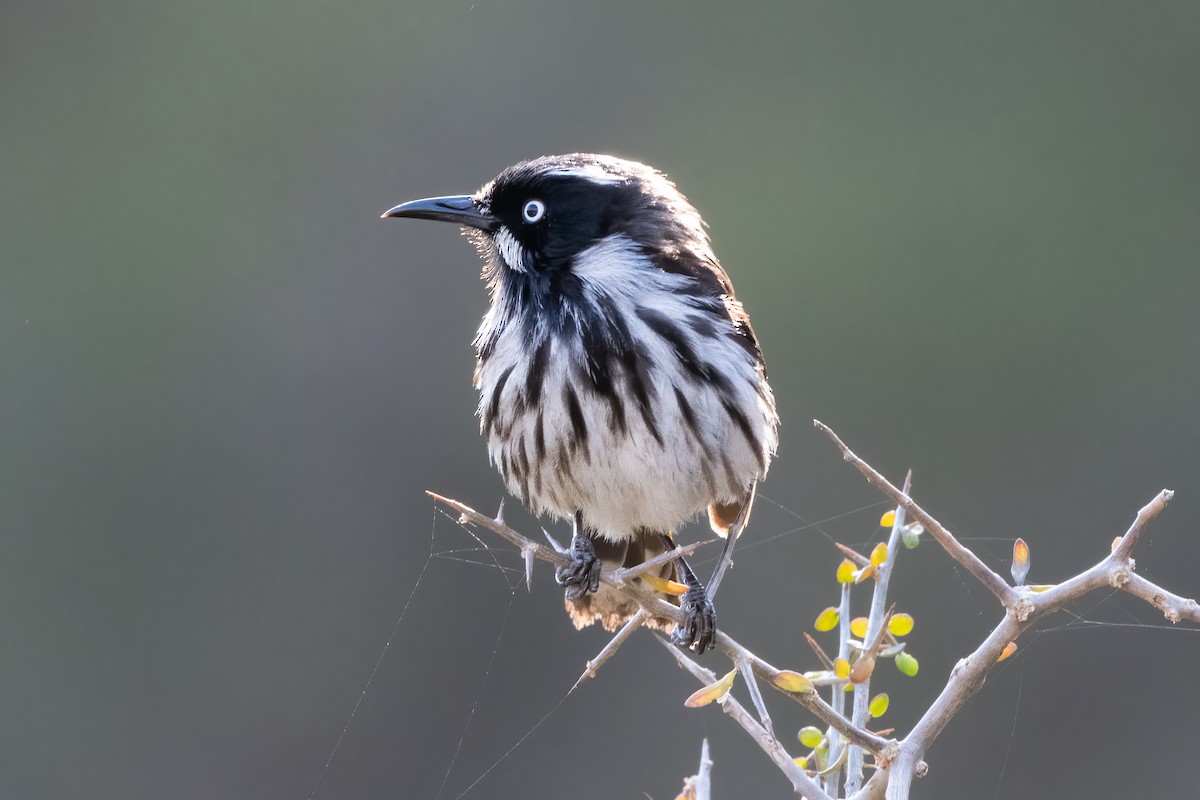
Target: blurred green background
{"x": 967, "y": 234}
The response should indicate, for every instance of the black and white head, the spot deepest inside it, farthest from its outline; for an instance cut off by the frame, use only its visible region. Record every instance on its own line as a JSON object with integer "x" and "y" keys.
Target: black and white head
{"x": 541, "y": 223}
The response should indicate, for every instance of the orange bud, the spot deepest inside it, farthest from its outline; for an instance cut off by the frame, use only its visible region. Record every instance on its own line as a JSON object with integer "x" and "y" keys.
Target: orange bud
{"x": 1020, "y": 561}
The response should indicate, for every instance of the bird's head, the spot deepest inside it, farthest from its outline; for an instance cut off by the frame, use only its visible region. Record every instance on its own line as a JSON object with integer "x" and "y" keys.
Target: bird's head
{"x": 554, "y": 217}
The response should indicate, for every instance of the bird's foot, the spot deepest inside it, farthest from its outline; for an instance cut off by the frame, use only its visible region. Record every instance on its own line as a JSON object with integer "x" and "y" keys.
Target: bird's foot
{"x": 582, "y": 575}
{"x": 699, "y": 628}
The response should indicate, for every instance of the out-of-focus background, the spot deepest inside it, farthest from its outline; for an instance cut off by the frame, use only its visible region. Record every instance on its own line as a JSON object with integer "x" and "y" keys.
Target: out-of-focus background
{"x": 968, "y": 236}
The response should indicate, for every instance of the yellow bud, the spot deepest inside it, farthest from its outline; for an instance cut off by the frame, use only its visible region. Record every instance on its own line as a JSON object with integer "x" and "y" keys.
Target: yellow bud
{"x": 901, "y": 624}
{"x": 887, "y": 520}
{"x": 879, "y": 554}
{"x": 792, "y": 682}
{"x": 665, "y": 586}
{"x": 841, "y": 668}
{"x": 810, "y": 737}
{"x": 858, "y": 626}
{"x": 714, "y": 691}
{"x": 827, "y": 620}
{"x": 845, "y": 571}
{"x": 879, "y": 705}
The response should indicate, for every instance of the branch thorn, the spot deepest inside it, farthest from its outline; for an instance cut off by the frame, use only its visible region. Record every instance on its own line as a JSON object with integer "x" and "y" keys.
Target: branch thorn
{"x": 558, "y": 548}
{"x": 530, "y": 556}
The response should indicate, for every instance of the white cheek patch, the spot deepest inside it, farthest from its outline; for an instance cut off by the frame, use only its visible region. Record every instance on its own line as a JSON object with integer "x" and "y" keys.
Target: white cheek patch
{"x": 510, "y": 250}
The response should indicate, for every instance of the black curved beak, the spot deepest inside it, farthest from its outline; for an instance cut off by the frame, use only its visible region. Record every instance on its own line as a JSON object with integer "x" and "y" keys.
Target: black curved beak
{"x": 459, "y": 209}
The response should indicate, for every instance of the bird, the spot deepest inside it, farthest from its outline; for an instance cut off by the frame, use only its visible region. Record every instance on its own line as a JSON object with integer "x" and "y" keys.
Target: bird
{"x": 621, "y": 385}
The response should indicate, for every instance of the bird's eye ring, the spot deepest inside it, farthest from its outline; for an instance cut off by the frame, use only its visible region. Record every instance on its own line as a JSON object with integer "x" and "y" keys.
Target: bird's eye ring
{"x": 533, "y": 211}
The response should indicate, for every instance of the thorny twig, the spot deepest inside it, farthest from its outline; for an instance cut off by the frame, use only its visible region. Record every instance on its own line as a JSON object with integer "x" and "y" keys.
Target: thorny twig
{"x": 896, "y": 762}
{"x": 1022, "y": 607}
{"x": 803, "y": 785}
{"x": 875, "y": 628}
{"x": 957, "y": 551}
{"x": 703, "y": 781}
{"x": 658, "y": 607}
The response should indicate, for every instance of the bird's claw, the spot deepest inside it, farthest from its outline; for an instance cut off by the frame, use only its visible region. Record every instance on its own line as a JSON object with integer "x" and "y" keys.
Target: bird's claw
{"x": 582, "y": 575}
{"x": 699, "y": 628}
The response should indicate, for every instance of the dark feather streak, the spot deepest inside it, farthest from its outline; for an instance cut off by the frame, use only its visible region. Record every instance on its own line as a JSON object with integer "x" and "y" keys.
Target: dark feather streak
{"x": 578, "y": 423}
{"x": 539, "y": 439}
{"x": 699, "y": 371}
{"x": 637, "y": 375}
{"x": 743, "y": 424}
{"x": 493, "y": 407}
{"x": 537, "y": 372}
{"x": 689, "y": 416}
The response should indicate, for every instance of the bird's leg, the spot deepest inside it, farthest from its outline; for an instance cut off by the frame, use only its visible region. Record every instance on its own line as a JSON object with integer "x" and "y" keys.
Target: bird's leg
{"x": 723, "y": 563}
{"x": 582, "y": 575}
{"x": 699, "y": 628}
{"x": 731, "y": 536}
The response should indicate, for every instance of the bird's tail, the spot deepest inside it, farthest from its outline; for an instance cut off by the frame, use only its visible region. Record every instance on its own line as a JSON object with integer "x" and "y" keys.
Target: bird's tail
{"x": 611, "y": 608}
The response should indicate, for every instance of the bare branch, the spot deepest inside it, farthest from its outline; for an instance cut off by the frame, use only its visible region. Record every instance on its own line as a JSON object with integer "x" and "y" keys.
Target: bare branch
{"x": 1173, "y": 607}
{"x": 660, "y": 608}
{"x": 896, "y": 762}
{"x": 822, "y": 656}
{"x": 1148, "y": 512}
{"x": 965, "y": 680}
{"x": 803, "y": 785}
{"x": 703, "y": 783}
{"x": 968, "y": 676}
{"x": 498, "y": 527}
{"x": 876, "y": 627}
{"x": 997, "y": 585}
{"x": 852, "y": 554}
{"x": 756, "y": 696}
{"x": 594, "y": 664}
{"x": 650, "y": 565}
{"x": 839, "y": 697}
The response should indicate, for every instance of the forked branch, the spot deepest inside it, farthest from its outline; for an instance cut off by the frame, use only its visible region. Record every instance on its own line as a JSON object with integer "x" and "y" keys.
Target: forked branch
{"x": 896, "y": 762}
{"x": 658, "y": 607}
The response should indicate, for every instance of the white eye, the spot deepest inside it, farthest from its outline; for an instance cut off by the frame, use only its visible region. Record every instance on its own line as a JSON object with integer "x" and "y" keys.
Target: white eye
{"x": 533, "y": 210}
